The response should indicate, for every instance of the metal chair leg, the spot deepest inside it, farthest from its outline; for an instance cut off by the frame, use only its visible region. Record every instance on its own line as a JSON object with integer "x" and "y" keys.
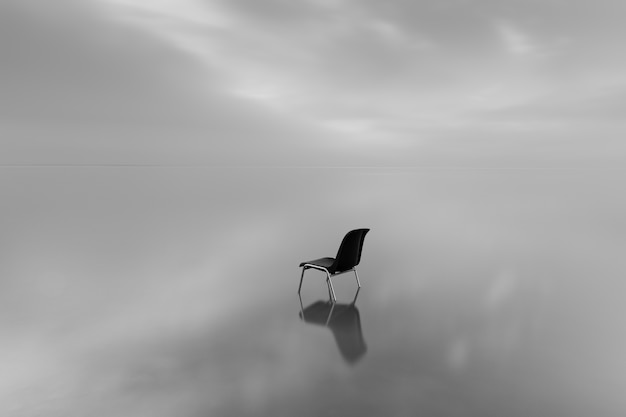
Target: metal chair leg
{"x": 330, "y": 296}
{"x": 332, "y": 290}
{"x": 301, "y": 308}
{"x": 357, "y": 278}
{"x": 301, "y": 278}
{"x": 355, "y": 296}
{"x": 330, "y": 314}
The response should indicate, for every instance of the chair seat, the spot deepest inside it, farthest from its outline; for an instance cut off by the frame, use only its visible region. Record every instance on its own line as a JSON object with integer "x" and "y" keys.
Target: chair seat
{"x": 323, "y": 262}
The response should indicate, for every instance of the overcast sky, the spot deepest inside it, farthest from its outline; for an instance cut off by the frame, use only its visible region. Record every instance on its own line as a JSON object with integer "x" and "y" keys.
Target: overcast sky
{"x": 311, "y": 81}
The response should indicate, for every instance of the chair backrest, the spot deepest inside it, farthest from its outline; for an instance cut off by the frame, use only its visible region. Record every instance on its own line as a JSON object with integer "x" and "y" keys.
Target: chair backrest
{"x": 349, "y": 253}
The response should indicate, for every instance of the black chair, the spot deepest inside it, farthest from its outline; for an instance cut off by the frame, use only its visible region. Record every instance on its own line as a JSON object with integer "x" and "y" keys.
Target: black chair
{"x": 348, "y": 257}
{"x": 344, "y": 321}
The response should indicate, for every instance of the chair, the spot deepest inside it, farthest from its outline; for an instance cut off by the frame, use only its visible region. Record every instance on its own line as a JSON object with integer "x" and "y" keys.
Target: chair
{"x": 348, "y": 257}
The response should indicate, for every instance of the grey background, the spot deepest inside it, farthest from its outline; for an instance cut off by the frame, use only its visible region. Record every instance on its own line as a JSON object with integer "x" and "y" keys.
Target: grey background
{"x": 166, "y": 165}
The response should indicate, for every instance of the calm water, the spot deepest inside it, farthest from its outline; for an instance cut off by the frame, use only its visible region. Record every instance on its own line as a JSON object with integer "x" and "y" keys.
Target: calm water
{"x": 172, "y": 292}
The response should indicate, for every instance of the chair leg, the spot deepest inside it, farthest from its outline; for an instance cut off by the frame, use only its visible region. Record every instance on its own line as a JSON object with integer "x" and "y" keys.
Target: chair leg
{"x": 357, "y": 278}
{"x": 330, "y": 314}
{"x": 332, "y": 290}
{"x": 330, "y": 296}
{"x": 301, "y": 308}
{"x": 301, "y": 278}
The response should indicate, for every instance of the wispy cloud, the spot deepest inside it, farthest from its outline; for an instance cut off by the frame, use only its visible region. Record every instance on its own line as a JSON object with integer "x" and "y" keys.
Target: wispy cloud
{"x": 381, "y": 71}
{"x": 515, "y": 41}
{"x": 308, "y": 57}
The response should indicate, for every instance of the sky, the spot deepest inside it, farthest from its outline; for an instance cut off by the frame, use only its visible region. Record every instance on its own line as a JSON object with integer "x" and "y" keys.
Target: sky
{"x": 315, "y": 82}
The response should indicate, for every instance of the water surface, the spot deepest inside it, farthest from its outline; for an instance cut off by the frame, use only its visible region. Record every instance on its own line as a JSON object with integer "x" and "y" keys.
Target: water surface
{"x": 172, "y": 291}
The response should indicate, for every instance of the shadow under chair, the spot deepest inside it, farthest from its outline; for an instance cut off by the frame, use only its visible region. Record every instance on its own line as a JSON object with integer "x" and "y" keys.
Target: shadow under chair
{"x": 343, "y": 320}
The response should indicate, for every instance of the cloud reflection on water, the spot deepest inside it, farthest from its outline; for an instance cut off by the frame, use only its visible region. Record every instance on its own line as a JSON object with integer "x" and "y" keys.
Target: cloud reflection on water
{"x": 173, "y": 291}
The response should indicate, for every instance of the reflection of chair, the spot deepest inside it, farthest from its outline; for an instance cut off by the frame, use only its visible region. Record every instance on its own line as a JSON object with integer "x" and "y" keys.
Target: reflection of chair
{"x": 348, "y": 257}
{"x": 344, "y": 321}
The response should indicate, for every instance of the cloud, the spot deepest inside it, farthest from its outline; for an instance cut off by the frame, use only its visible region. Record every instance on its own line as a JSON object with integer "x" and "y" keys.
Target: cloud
{"x": 515, "y": 41}
{"x": 406, "y": 61}
{"x": 81, "y": 87}
{"x": 124, "y": 80}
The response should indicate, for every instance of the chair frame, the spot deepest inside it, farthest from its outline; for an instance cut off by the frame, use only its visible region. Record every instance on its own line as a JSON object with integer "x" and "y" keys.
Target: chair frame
{"x": 329, "y": 282}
